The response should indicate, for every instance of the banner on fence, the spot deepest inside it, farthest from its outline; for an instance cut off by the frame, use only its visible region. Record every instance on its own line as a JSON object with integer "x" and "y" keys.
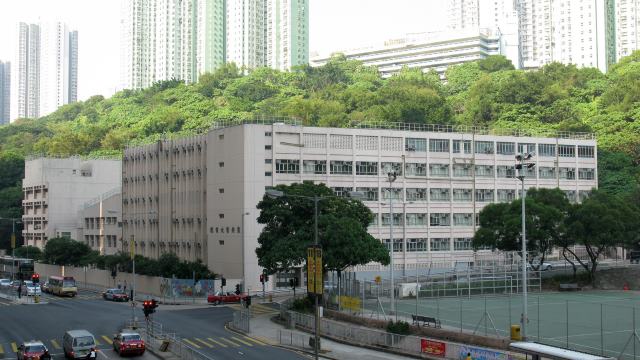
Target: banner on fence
{"x": 482, "y": 354}
{"x": 186, "y": 287}
{"x": 349, "y": 302}
{"x": 433, "y": 347}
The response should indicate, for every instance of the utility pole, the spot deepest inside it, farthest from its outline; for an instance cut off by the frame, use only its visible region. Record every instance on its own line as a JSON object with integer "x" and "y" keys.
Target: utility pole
{"x": 523, "y": 165}
{"x": 392, "y": 177}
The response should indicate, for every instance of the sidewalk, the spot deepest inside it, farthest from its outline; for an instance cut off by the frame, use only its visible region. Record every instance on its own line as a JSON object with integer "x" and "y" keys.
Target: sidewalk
{"x": 263, "y": 329}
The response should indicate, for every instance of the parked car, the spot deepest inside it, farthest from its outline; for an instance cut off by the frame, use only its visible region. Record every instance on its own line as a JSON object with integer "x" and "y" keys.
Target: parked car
{"x": 115, "y": 295}
{"x": 30, "y": 289}
{"x": 225, "y": 298}
{"x": 634, "y": 257}
{"x": 30, "y": 350}
{"x": 5, "y": 283}
{"x": 540, "y": 267}
{"x": 45, "y": 288}
{"x": 128, "y": 342}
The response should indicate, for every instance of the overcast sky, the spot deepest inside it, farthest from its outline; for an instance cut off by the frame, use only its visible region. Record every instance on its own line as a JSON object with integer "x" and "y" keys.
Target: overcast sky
{"x": 334, "y": 25}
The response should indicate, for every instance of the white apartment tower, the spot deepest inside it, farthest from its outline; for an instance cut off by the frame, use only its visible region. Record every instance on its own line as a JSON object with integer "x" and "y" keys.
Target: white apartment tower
{"x": 210, "y": 52}
{"x": 26, "y": 101}
{"x": 5, "y": 92}
{"x": 287, "y": 33}
{"x": 58, "y": 66}
{"x": 246, "y": 33}
{"x": 627, "y": 13}
{"x": 538, "y": 32}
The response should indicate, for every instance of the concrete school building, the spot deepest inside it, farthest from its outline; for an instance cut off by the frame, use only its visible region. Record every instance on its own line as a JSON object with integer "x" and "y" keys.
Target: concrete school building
{"x": 197, "y": 196}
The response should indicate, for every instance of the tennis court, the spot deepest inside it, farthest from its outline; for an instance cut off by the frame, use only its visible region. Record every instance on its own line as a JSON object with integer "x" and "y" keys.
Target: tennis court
{"x": 598, "y": 322}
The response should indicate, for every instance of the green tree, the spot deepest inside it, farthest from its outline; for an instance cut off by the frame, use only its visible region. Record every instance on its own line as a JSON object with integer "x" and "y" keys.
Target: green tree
{"x": 289, "y": 230}
{"x": 65, "y": 251}
{"x": 29, "y": 252}
{"x": 601, "y": 222}
{"x": 501, "y": 224}
{"x": 495, "y": 63}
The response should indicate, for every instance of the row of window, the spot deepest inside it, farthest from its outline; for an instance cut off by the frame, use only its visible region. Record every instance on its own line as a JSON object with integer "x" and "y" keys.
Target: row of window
{"x": 94, "y": 240}
{"x": 420, "y": 219}
{"x": 440, "y": 194}
{"x": 433, "y": 244}
{"x": 90, "y": 223}
{"x": 344, "y": 167}
{"x": 446, "y": 145}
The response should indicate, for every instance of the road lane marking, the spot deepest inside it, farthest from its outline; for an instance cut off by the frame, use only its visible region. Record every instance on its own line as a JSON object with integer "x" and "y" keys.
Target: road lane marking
{"x": 242, "y": 341}
{"x": 230, "y": 342}
{"x": 14, "y": 347}
{"x": 217, "y": 342}
{"x": 55, "y": 344}
{"x": 97, "y": 342}
{"x": 204, "y": 342}
{"x": 106, "y": 338}
{"x": 192, "y": 343}
{"x": 1, "y": 349}
{"x": 255, "y": 341}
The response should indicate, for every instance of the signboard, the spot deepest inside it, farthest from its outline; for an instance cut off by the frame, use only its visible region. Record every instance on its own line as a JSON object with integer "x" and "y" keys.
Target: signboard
{"x": 349, "y": 302}
{"x": 433, "y": 347}
{"x": 314, "y": 270}
{"x": 482, "y": 354}
{"x": 378, "y": 279}
{"x": 13, "y": 240}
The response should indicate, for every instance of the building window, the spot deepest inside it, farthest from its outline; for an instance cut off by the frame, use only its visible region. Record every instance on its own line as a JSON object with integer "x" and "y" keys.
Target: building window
{"x": 338, "y": 167}
{"x": 462, "y": 195}
{"x": 440, "y": 244}
{"x": 586, "y": 174}
{"x": 397, "y": 219}
{"x": 268, "y": 133}
{"x": 287, "y": 166}
{"x": 570, "y": 195}
{"x": 387, "y": 193}
{"x": 462, "y": 146}
{"x": 524, "y": 148}
{"x": 366, "y": 168}
{"x": 567, "y": 173}
{"x": 221, "y": 190}
{"x": 416, "y": 194}
{"x": 221, "y": 216}
{"x": 463, "y": 219}
{"x": 416, "y": 219}
{"x": 547, "y": 150}
{"x": 439, "y": 170}
{"x": 374, "y": 220}
{"x": 439, "y": 194}
{"x": 546, "y": 172}
{"x": 268, "y": 173}
{"x": 415, "y": 245}
{"x": 344, "y": 142}
{"x": 388, "y": 167}
{"x": 484, "y": 195}
{"x": 267, "y": 147}
{"x": 583, "y": 195}
{"x": 505, "y": 171}
{"x": 506, "y": 195}
{"x": 505, "y": 148}
{"x": 439, "y": 145}
{"x": 342, "y": 191}
{"x": 484, "y": 147}
{"x": 462, "y": 170}
{"x": 415, "y": 169}
{"x": 268, "y": 161}
{"x": 367, "y": 143}
{"x": 439, "y": 219}
{"x": 586, "y": 151}
{"x": 221, "y": 242}
{"x": 413, "y": 144}
{"x": 370, "y": 193}
{"x": 318, "y": 167}
{"x": 460, "y": 244}
{"x": 484, "y": 171}
{"x": 566, "y": 150}
{"x": 397, "y": 244}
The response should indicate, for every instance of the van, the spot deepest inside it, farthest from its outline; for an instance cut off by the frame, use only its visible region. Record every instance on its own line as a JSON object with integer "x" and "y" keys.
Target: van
{"x": 77, "y": 344}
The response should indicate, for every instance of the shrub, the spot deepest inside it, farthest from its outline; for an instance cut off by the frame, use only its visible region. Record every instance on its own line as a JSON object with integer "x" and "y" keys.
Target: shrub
{"x": 304, "y": 305}
{"x": 398, "y": 327}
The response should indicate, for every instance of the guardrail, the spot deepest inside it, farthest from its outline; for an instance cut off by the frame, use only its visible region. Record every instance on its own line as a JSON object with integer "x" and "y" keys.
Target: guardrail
{"x": 241, "y": 320}
{"x": 294, "y": 339}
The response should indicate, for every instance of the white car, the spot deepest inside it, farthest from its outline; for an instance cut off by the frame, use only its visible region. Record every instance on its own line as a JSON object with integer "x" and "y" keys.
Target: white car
{"x": 5, "y": 283}
{"x": 541, "y": 267}
{"x": 30, "y": 289}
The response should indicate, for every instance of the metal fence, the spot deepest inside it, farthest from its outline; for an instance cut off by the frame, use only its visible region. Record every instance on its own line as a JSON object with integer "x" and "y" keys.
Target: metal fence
{"x": 241, "y": 320}
{"x": 294, "y": 339}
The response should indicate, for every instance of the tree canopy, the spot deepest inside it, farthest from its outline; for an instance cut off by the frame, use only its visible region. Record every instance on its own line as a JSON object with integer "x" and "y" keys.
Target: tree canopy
{"x": 289, "y": 229}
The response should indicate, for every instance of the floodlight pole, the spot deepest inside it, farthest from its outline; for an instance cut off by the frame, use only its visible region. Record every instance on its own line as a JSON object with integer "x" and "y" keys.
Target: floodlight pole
{"x": 522, "y": 165}
{"x": 392, "y": 177}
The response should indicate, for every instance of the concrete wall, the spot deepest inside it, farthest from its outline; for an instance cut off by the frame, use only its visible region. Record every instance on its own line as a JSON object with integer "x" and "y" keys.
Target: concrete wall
{"x": 100, "y": 223}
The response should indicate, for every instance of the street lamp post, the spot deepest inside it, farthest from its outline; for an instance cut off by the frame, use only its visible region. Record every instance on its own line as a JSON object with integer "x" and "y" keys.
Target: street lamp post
{"x": 392, "y": 176}
{"x": 523, "y": 163}
{"x": 244, "y": 273}
{"x": 316, "y": 199}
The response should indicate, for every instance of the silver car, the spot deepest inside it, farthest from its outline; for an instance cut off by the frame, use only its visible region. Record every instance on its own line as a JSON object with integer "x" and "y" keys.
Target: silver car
{"x": 30, "y": 289}
{"x": 5, "y": 283}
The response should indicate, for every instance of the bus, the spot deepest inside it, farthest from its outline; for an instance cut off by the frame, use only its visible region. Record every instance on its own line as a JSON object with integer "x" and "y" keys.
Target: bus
{"x": 63, "y": 286}
{"x": 21, "y": 267}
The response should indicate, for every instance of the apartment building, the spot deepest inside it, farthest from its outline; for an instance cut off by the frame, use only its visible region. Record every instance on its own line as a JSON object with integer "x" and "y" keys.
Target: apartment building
{"x": 55, "y": 190}
{"x": 164, "y": 198}
{"x": 5, "y": 92}
{"x": 100, "y": 223}
{"x": 425, "y": 51}
{"x": 197, "y": 196}
{"x": 627, "y": 14}
{"x": 26, "y": 85}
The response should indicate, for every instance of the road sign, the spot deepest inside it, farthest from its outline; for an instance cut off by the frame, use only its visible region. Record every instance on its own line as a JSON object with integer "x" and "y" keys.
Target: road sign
{"x": 314, "y": 270}
{"x": 378, "y": 279}
{"x": 13, "y": 240}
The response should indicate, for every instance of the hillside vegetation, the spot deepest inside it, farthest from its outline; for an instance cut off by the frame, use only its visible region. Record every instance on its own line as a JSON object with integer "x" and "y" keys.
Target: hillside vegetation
{"x": 342, "y": 93}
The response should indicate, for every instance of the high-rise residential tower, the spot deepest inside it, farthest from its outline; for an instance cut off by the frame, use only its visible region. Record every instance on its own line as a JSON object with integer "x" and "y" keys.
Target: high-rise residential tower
{"x": 5, "y": 92}
{"x": 627, "y": 13}
{"x": 26, "y": 94}
{"x": 58, "y": 66}
{"x": 287, "y": 33}
{"x": 210, "y": 52}
{"x": 246, "y": 33}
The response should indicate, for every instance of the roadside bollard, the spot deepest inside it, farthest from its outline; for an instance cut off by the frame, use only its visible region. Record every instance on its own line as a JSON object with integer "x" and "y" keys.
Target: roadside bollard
{"x": 37, "y": 299}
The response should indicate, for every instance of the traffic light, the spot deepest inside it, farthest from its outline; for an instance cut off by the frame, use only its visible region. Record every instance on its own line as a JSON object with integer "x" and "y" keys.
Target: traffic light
{"x": 154, "y": 305}
{"x": 224, "y": 282}
{"x": 291, "y": 283}
{"x": 247, "y": 301}
{"x": 262, "y": 278}
{"x": 237, "y": 289}
{"x": 35, "y": 278}
{"x": 146, "y": 308}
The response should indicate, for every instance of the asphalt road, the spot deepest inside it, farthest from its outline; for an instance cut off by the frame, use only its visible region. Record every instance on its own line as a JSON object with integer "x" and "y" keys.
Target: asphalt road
{"x": 202, "y": 328}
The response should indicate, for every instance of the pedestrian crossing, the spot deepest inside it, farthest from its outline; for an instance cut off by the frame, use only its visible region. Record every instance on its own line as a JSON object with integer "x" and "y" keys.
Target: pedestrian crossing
{"x": 256, "y": 309}
{"x": 105, "y": 342}
{"x": 52, "y": 298}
